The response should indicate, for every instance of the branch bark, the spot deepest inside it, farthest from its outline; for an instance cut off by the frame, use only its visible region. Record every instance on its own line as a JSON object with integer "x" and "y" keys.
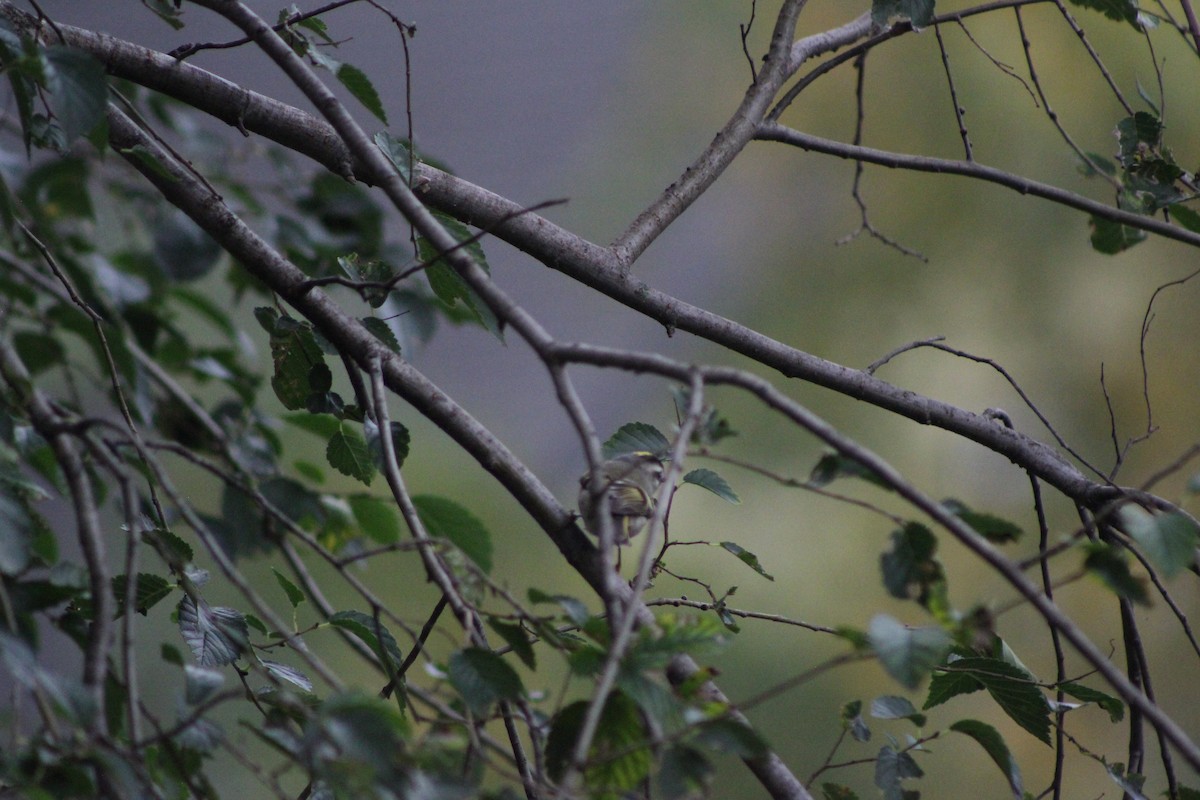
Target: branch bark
{"x": 592, "y": 265}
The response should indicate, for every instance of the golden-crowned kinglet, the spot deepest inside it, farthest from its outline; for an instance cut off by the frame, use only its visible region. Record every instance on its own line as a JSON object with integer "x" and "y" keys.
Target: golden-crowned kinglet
{"x": 632, "y": 481}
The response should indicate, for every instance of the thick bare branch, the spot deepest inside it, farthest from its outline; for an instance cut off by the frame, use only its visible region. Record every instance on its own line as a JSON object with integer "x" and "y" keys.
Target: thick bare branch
{"x": 601, "y": 268}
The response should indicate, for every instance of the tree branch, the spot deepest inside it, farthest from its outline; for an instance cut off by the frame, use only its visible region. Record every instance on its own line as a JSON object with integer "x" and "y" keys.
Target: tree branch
{"x": 774, "y": 132}
{"x": 599, "y": 267}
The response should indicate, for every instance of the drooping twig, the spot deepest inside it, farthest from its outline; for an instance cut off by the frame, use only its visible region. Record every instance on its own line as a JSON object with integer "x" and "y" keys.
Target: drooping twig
{"x": 958, "y": 109}
{"x": 864, "y": 220}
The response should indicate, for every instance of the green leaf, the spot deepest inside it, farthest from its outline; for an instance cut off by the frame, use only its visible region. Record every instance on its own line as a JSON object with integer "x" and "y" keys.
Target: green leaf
{"x": 166, "y": 12}
{"x": 517, "y": 638}
{"x": 294, "y": 595}
{"x": 216, "y": 635}
{"x": 170, "y": 654}
{"x": 376, "y": 516}
{"x": 314, "y": 24}
{"x": 908, "y": 654}
{"x": 893, "y": 707}
{"x": 574, "y": 608}
{"x": 833, "y": 466}
{"x": 1114, "y": 707}
{"x": 16, "y": 535}
{"x": 446, "y": 519}
{"x": 289, "y": 674}
{"x": 918, "y": 12}
{"x": 448, "y": 286}
{"x": 652, "y": 696}
{"x": 39, "y": 351}
{"x": 149, "y": 159}
{"x": 835, "y": 791}
{"x": 362, "y": 738}
{"x": 1167, "y": 540}
{"x": 892, "y": 767}
{"x": 693, "y": 635}
{"x": 148, "y": 590}
{"x": 636, "y": 437}
{"x": 309, "y": 470}
{"x": 684, "y": 772}
{"x": 383, "y": 332}
{"x": 747, "y": 558}
{"x": 293, "y": 499}
{"x": 711, "y": 427}
{"x": 175, "y": 552}
{"x": 858, "y": 639}
{"x": 1131, "y": 783}
{"x": 294, "y": 352}
{"x": 372, "y": 632}
{"x": 348, "y": 454}
{"x": 183, "y": 251}
{"x": 1110, "y": 237}
{"x": 1110, "y": 566}
{"x": 948, "y": 684}
{"x": 1136, "y": 134}
{"x": 993, "y": 744}
{"x": 1186, "y": 217}
{"x": 322, "y": 425}
{"x": 853, "y": 721}
{"x": 320, "y": 378}
{"x": 266, "y": 317}
{"x": 619, "y": 759}
{"x": 368, "y": 271}
{"x": 359, "y": 85}
{"x": 483, "y": 678}
{"x": 993, "y": 528}
{"x": 707, "y": 479}
{"x": 909, "y": 567}
{"x": 401, "y": 440}
{"x": 1097, "y": 164}
{"x": 78, "y": 90}
{"x": 58, "y": 189}
{"x": 67, "y": 694}
{"x": 1119, "y": 10}
{"x": 216, "y": 314}
{"x": 1013, "y": 689}
{"x": 398, "y": 152}
{"x": 349, "y": 221}
{"x": 201, "y": 683}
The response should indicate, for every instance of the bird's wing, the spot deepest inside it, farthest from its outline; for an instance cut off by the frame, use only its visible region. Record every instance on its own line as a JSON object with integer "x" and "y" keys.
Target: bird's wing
{"x": 629, "y": 500}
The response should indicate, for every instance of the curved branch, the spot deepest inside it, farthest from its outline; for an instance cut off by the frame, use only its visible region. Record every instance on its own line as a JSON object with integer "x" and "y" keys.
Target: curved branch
{"x": 724, "y": 148}
{"x": 51, "y": 427}
{"x": 574, "y": 256}
{"x": 183, "y": 189}
{"x": 774, "y": 132}
{"x": 1009, "y": 570}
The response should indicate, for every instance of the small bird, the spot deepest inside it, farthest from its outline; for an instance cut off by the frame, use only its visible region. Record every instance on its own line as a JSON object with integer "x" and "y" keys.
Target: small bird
{"x": 632, "y": 481}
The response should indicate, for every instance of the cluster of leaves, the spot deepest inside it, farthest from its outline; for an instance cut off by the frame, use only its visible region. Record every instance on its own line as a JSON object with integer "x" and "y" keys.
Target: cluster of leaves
{"x": 1150, "y": 181}
{"x": 70, "y": 83}
{"x": 88, "y": 249}
{"x": 1147, "y": 173}
{"x": 147, "y": 274}
{"x": 962, "y": 651}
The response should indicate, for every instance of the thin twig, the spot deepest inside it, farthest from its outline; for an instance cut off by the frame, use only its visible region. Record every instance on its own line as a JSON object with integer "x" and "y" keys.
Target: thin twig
{"x": 958, "y": 109}
{"x": 1051, "y": 114}
{"x": 864, "y": 220}
{"x": 186, "y": 50}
